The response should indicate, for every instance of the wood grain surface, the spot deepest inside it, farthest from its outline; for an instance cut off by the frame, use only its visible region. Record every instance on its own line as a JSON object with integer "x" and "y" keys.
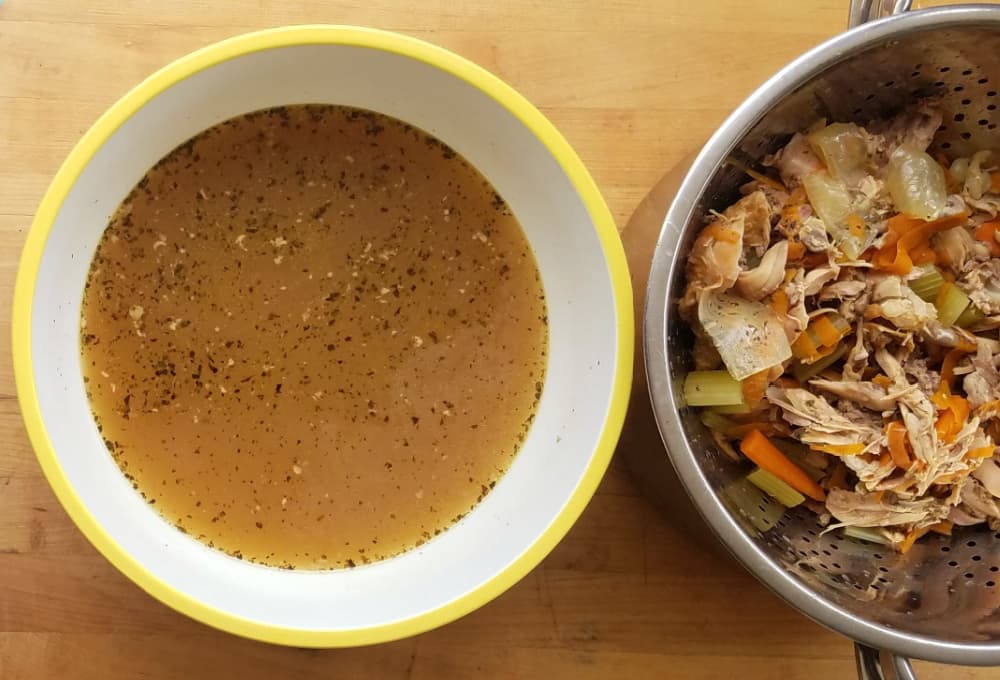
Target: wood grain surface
{"x": 635, "y": 86}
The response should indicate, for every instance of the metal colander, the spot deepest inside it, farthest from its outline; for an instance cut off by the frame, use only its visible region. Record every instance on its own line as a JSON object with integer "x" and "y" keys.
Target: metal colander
{"x": 941, "y": 600}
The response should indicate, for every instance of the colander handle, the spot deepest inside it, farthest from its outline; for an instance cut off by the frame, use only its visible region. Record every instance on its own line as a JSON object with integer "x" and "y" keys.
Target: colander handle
{"x": 863, "y": 11}
{"x": 874, "y": 664}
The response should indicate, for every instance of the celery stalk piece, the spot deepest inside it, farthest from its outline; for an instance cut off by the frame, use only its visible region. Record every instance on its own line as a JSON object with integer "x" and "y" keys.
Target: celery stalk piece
{"x": 970, "y": 317}
{"x": 775, "y": 488}
{"x": 950, "y": 303}
{"x": 804, "y": 372}
{"x": 750, "y": 506}
{"x": 929, "y": 285}
{"x": 719, "y": 423}
{"x": 712, "y": 388}
{"x": 867, "y": 534}
{"x": 733, "y": 409}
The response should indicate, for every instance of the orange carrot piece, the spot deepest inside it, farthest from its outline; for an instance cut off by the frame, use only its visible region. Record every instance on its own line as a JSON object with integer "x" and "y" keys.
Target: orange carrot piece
{"x": 967, "y": 346}
{"x": 911, "y": 538}
{"x": 882, "y": 380}
{"x": 981, "y": 452}
{"x": 805, "y": 347}
{"x": 826, "y": 332}
{"x": 791, "y": 213}
{"x": 905, "y": 235}
{"x": 954, "y": 414}
{"x": 779, "y": 302}
{"x": 839, "y": 449}
{"x": 960, "y": 407}
{"x": 856, "y": 226}
{"x": 890, "y": 257}
{"x": 766, "y": 455}
{"x": 987, "y": 233}
{"x": 944, "y": 426}
{"x": 820, "y": 338}
{"x": 754, "y": 387}
{"x": 719, "y": 232}
{"x": 897, "y": 435}
{"x": 951, "y": 360}
{"x": 796, "y": 251}
{"x": 943, "y": 527}
{"x": 884, "y": 459}
{"x": 990, "y": 409}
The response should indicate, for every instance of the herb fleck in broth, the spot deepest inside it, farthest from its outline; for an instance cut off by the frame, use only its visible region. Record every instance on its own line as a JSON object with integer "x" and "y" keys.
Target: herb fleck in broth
{"x": 313, "y": 336}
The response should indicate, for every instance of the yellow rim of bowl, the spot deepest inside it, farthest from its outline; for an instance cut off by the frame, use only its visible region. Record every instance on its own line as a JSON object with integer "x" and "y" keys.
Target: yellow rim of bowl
{"x": 405, "y": 46}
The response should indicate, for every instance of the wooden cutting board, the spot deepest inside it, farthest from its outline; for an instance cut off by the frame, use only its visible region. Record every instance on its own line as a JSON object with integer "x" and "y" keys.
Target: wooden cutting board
{"x": 635, "y": 86}
{"x": 640, "y": 446}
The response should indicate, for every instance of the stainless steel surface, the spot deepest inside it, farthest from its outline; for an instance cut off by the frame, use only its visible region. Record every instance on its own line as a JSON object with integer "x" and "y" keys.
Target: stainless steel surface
{"x": 940, "y": 601}
{"x": 863, "y": 11}
{"x": 876, "y": 665}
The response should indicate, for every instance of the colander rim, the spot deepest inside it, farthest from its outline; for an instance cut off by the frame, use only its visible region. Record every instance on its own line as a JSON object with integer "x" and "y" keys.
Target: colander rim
{"x": 663, "y": 393}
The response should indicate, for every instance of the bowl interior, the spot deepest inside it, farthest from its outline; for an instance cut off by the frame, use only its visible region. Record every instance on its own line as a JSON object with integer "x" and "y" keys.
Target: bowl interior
{"x": 522, "y": 517}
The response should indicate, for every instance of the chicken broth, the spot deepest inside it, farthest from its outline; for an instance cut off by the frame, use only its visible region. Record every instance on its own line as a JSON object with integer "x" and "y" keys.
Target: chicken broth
{"x": 313, "y": 336}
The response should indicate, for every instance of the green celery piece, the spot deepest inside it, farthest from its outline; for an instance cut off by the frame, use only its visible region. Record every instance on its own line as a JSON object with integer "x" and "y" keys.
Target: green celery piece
{"x": 929, "y": 285}
{"x": 866, "y": 534}
{"x": 804, "y": 372}
{"x": 775, "y": 488}
{"x": 712, "y": 388}
{"x": 751, "y": 506}
{"x": 970, "y": 317}
{"x": 950, "y": 305}
{"x": 732, "y": 409}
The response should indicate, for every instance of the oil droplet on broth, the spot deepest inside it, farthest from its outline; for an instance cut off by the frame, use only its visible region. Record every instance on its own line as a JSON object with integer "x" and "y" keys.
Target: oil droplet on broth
{"x": 313, "y": 336}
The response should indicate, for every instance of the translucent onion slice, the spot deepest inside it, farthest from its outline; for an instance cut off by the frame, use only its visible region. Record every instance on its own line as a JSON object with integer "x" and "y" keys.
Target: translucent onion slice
{"x": 748, "y": 335}
{"x": 977, "y": 180}
{"x": 989, "y": 475}
{"x": 916, "y": 182}
{"x": 831, "y": 199}
{"x": 842, "y": 148}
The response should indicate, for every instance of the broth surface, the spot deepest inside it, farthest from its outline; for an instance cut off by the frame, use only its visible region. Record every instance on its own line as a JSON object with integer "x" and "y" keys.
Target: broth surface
{"x": 313, "y": 336}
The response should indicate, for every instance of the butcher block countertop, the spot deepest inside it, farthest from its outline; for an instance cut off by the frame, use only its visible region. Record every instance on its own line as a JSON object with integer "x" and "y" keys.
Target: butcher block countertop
{"x": 636, "y": 86}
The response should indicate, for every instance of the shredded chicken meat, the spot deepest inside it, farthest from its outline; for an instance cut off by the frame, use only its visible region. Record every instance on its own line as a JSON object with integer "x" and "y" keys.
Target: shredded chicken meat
{"x": 846, "y": 311}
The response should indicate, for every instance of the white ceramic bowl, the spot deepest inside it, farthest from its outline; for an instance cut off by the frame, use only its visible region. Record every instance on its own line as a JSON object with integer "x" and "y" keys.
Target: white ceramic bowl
{"x": 590, "y": 319}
